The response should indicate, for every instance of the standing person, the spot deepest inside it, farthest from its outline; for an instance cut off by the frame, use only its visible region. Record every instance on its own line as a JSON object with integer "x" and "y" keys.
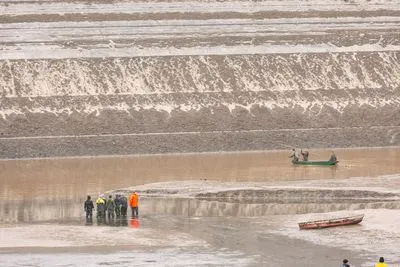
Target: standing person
{"x": 118, "y": 204}
{"x": 124, "y": 205}
{"x": 134, "y": 203}
{"x": 294, "y": 156}
{"x": 381, "y": 263}
{"x": 89, "y": 207}
{"x": 110, "y": 207}
{"x": 345, "y": 263}
{"x": 101, "y": 209}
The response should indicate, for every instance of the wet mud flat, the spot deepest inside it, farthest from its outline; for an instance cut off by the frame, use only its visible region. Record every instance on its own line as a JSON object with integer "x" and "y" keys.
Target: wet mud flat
{"x": 272, "y": 212}
{"x": 215, "y": 232}
{"x": 165, "y": 240}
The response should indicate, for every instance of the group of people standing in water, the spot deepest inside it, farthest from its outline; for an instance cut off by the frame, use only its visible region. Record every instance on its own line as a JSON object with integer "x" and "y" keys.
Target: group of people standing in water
{"x": 111, "y": 208}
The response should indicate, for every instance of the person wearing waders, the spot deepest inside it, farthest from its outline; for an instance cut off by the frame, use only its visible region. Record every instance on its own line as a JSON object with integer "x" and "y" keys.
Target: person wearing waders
{"x": 89, "y": 207}
{"x": 110, "y": 206}
{"x": 134, "y": 203}
{"x": 118, "y": 204}
{"x": 124, "y": 205}
{"x": 101, "y": 209}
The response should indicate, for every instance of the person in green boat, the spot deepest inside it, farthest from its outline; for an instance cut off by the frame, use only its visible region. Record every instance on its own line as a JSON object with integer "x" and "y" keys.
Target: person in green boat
{"x": 294, "y": 156}
{"x": 305, "y": 155}
{"x": 333, "y": 157}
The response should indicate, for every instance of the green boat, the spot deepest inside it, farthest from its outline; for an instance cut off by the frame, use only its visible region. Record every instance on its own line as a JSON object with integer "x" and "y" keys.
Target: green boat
{"x": 319, "y": 163}
{"x": 295, "y": 160}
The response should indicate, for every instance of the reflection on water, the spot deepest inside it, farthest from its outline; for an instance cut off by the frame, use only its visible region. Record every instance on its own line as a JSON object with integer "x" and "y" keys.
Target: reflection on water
{"x": 134, "y": 222}
{"x": 203, "y": 208}
{"x": 65, "y": 212}
{"x": 117, "y": 222}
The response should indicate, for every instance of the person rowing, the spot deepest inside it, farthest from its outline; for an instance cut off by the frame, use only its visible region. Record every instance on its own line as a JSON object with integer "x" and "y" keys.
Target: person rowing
{"x": 305, "y": 155}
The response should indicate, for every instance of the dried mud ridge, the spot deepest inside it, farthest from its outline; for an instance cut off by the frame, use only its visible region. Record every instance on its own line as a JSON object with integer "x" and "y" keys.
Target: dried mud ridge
{"x": 277, "y": 195}
{"x": 297, "y": 195}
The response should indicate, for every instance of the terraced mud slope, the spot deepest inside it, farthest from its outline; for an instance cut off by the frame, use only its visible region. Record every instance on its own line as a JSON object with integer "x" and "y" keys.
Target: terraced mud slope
{"x": 107, "y": 77}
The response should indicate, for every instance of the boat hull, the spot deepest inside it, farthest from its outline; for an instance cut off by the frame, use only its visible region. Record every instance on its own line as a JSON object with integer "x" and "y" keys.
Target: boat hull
{"x": 317, "y": 163}
{"x": 331, "y": 223}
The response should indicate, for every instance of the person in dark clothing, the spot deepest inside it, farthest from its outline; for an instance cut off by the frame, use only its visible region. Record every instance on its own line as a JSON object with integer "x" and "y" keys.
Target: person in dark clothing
{"x": 124, "y": 205}
{"x": 89, "y": 207}
{"x": 345, "y": 263}
{"x": 110, "y": 207}
{"x": 118, "y": 204}
{"x": 120, "y": 210}
{"x": 333, "y": 157}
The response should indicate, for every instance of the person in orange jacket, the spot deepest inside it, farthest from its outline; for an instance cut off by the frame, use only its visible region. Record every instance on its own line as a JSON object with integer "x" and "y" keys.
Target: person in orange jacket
{"x": 134, "y": 203}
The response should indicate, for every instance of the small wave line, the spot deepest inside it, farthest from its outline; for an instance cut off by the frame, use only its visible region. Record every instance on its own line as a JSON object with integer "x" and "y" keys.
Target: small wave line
{"x": 188, "y": 133}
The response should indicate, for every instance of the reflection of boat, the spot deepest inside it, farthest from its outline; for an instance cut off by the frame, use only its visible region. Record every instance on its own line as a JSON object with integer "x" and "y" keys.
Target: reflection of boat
{"x": 331, "y": 222}
{"x": 321, "y": 163}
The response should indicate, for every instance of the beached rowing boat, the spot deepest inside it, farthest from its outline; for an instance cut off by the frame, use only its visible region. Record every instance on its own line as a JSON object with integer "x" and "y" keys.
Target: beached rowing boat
{"x": 331, "y": 222}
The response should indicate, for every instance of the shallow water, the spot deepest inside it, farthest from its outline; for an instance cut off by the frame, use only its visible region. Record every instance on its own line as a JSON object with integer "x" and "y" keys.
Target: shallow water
{"x": 42, "y": 210}
{"x": 75, "y": 177}
{"x": 59, "y": 186}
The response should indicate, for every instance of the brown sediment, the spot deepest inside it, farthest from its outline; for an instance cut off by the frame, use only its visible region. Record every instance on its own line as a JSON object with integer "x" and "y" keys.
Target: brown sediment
{"x": 297, "y": 196}
{"x": 191, "y": 16}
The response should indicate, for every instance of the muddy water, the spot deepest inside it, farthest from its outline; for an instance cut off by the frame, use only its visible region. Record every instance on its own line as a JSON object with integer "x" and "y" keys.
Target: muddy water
{"x": 57, "y": 187}
{"x": 76, "y": 177}
{"x": 41, "y": 210}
